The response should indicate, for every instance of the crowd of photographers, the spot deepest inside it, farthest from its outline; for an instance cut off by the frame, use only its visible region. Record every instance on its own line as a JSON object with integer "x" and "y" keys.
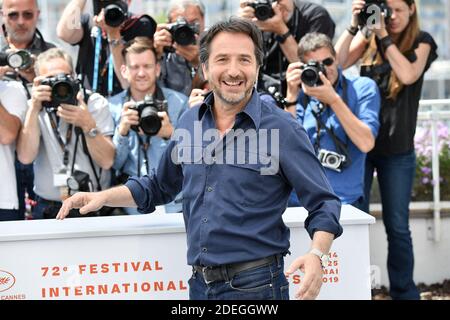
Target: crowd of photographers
{"x": 66, "y": 128}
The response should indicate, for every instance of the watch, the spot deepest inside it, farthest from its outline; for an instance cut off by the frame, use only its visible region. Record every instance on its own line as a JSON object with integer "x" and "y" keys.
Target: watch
{"x": 324, "y": 258}
{"x": 92, "y": 133}
{"x": 115, "y": 42}
{"x": 283, "y": 37}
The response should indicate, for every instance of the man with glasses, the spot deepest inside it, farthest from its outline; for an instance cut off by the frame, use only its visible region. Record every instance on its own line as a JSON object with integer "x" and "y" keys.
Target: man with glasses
{"x": 20, "y": 18}
{"x": 339, "y": 113}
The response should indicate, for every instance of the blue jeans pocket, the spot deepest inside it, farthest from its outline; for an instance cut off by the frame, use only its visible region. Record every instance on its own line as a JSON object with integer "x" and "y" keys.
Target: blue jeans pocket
{"x": 254, "y": 280}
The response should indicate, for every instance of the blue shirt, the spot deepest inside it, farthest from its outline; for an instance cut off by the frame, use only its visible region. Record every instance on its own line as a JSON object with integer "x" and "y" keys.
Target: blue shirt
{"x": 363, "y": 99}
{"x": 128, "y": 150}
{"x": 232, "y": 211}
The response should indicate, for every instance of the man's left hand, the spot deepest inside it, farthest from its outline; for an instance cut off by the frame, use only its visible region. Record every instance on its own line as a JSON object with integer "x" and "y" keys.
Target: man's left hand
{"x": 311, "y": 283}
{"x": 324, "y": 93}
{"x": 166, "y": 126}
{"x": 79, "y": 115}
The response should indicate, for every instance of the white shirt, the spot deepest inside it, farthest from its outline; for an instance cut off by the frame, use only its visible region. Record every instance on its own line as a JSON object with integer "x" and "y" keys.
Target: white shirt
{"x": 50, "y": 156}
{"x": 14, "y": 100}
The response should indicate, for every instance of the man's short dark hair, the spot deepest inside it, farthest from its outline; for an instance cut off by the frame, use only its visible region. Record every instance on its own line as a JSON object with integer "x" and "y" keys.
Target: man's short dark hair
{"x": 137, "y": 46}
{"x": 314, "y": 41}
{"x": 232, "y": 25}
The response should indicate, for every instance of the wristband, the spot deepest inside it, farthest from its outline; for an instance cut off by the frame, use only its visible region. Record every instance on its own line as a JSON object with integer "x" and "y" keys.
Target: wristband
{"x": 115, "y": 42}
{"x": 352, "y": 30}
{"x": 386, "y": 42}
{"x": 290, "y": 103}
{"x": 283, "y": 37}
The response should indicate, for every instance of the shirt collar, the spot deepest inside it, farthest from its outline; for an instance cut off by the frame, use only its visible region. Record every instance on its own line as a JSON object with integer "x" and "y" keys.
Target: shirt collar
{"x": 252, "y": 109}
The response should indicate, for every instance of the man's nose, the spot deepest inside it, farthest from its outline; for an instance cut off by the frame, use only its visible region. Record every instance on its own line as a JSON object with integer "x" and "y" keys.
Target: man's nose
{"x": 234, "y": 69}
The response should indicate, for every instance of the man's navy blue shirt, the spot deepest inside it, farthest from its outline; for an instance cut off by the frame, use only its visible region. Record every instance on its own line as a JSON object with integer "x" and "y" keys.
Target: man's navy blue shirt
{"x": 232, "y": 212}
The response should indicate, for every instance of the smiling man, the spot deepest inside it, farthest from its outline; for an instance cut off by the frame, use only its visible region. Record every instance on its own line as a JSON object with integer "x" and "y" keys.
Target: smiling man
{"x": 236, "y": 236}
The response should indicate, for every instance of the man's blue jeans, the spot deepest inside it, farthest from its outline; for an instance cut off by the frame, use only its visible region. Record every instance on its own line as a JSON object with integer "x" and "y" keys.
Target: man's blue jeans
{"x": 395, "y": 176}
{"x": 261, "y": 283}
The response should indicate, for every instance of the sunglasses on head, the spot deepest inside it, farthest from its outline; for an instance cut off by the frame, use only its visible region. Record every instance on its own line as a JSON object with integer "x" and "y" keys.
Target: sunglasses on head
{"x": 14, "y": 15}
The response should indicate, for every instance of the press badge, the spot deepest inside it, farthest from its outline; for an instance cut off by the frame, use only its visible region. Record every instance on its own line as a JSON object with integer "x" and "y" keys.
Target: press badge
{"x": 60, "y": 178}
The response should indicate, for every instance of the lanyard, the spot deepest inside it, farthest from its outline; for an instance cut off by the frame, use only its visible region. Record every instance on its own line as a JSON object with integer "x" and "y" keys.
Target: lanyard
{"x": 144, "y": 147}
{"x": 58, "y": 137}
{"x": 110, "y": 74}
{"x": 97, "y": 33}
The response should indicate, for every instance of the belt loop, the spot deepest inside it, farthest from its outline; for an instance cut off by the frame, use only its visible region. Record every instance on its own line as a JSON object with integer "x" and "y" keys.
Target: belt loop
{"x": 278, "y": 258}
{"x": 224, "y": 271}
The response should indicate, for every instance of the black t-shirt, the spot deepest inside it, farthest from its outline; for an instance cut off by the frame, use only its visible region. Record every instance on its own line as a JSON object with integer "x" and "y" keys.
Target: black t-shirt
{"x": 307, "y": 17}
{"x": 398, "y": 118}
{"x": 85, "y": 62}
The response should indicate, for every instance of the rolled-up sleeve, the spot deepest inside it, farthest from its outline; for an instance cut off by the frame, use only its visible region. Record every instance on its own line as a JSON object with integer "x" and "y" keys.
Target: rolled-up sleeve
{"x": 304, "y": 172}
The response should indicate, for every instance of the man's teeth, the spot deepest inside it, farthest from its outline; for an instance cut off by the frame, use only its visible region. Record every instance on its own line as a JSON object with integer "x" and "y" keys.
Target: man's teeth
{"x": 233, "y": 83}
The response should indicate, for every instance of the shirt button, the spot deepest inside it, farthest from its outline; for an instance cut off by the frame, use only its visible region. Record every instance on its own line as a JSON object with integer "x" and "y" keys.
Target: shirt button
{"x": 204, "y": 249}
{"x": 205, "y": 220}
{"x": 209, "y": 189}
{"x": 214, "y": 159}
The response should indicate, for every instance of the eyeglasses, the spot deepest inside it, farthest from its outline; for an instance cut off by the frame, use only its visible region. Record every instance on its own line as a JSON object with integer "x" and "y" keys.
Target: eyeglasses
{"x": 14, "y": 15}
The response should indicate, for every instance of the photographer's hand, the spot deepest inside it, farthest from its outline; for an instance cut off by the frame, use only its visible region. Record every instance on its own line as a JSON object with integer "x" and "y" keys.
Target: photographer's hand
{"x": 357, "y": 6}
{"x": 196, "y": 97}
{"x": 129, "y": 117}
{"x": 112, "y": 32}
{"x": 275, "y": 24}
{"x": 245, "y": 11}
{"x": 39, "y": 93}
{"x": 166, "y": 126}
{"x": 381, "y": 31}
{"x": 162, "y": 38}
{"x": 79, "y": 115}
{"x": 324, "y": 93}
{"x": 293, "y": 80}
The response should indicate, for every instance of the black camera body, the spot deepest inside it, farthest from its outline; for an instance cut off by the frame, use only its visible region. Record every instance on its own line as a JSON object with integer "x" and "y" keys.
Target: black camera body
{"x": 148, "y": 109}
{"x": 79, "y": 181}
{"x": 183, "y": 32}
{"x": 64, "y": 90}
{"x": 310, "y": 73}
{"x": 116, "y": 11}
{"x": 280, "y": 100}
{"x": 331, "y": 160}
{"x": 263, "y": 9}
{"x": 371, "y": 8}
{"x": 20, "y": 59}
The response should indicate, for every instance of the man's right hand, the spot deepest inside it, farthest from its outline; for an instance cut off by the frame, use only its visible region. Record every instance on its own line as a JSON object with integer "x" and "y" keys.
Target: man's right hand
{"x": 129, "y": 117}
{"x": 40, "y": 93}
{"x": 357, "y": 6}
{"x": 162, "y": 38}
{"x": 245, "y": 11}
{"x": 85, "y": 201}
{"x": 293, "y": 80}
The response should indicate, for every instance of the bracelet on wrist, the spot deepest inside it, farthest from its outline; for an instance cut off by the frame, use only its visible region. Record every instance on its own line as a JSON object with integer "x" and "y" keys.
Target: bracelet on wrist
{"x": 352, "y": 30}
{"x": 386, "y": 42}
{"x": 290, "y": 103}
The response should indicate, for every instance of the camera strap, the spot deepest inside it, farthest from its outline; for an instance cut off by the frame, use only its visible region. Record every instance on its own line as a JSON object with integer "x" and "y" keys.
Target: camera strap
{"x": 341, "y": 147}
{"x": 60, "y": 140}
{"x": 80, "y": 132}
{"x": 143, "y": 146}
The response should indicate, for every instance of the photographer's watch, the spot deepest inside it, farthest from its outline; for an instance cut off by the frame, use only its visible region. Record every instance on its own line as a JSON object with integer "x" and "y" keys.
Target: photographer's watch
{"x": 282, "y": 38}
{"x": 324, "y": 258}
{"x": 92, "y": 133}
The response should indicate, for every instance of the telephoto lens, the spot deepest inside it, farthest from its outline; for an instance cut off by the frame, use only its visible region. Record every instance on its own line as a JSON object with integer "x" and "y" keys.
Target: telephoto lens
{"x": 20, "y": 59}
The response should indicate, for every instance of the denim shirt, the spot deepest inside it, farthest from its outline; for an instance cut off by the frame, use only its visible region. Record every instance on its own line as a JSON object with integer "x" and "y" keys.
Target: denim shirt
{"x": 232, "y": 208}
{"x": 128, "y": 147}
{"x": 363, "y": 99}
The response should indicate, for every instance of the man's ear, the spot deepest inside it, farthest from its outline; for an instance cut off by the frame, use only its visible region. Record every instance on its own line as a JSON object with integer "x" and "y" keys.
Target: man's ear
{"x": 204, "y": 70}
{"x": 124, "y": 71}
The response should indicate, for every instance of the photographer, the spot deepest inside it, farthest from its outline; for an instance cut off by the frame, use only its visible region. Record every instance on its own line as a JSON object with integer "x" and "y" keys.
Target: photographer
{"x": 180, "y": 61}
{"x": 140, "y": 136}
{"x": 396, "y": 54}
{"x": 284, "y": 25}
{"x": 12, "y": 113}
{"x": 101, "y": 39}
{"x": 68, "y": 142}
{"x": 22, "y": 38}
{"x": 339, "y": 113}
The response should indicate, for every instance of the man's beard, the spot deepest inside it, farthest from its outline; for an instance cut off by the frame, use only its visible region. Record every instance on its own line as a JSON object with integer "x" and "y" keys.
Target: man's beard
{"x": 22, "y": 38}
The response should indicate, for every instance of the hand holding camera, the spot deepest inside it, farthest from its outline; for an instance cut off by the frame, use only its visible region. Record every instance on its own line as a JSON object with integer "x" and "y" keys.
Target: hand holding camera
{"x": 77, "y": 114}
{"x": 323, "y": 90}
{"x": 40, "y": 93}
{"x": 112, "y": 12}
{"x": 129, "y": 118}
{"x": 374, "y": 14}
{"x": 265, "y": 14}
{"x": 112, "y": 32}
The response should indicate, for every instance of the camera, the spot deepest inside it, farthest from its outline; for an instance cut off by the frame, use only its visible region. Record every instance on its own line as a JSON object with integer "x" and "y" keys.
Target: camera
{"x": 79, "y": 181}
{"x": 148, "y": 109}
{"x": 371, "y": 9}
{"x": 64, "y": 90}
{"x": 116, "y": 11}
{"x": 331, "y": 160}
{"x": 263, "y": 9}
{"x": 183, "y": 32}
{"x": 20, "y": 59}
{"x": 310, "y": 73}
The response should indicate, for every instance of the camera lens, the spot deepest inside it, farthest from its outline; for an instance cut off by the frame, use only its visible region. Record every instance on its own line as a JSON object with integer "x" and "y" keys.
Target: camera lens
{"x": 332, "y": 160}
{"x": 184, "y": 36}
{"x": 63, "y": 92}
{"x": 73, "y": 184}
{"x": 263, "y": 13}
{"x": 150, "y": 122}
{"x": 114, "y": 15}
{"x": 310, "y": 77}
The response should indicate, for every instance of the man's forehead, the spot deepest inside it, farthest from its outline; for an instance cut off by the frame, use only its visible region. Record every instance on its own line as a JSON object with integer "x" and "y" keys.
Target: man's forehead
{"x": 19, "y": 4}
{"x": 236, "y": 43}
